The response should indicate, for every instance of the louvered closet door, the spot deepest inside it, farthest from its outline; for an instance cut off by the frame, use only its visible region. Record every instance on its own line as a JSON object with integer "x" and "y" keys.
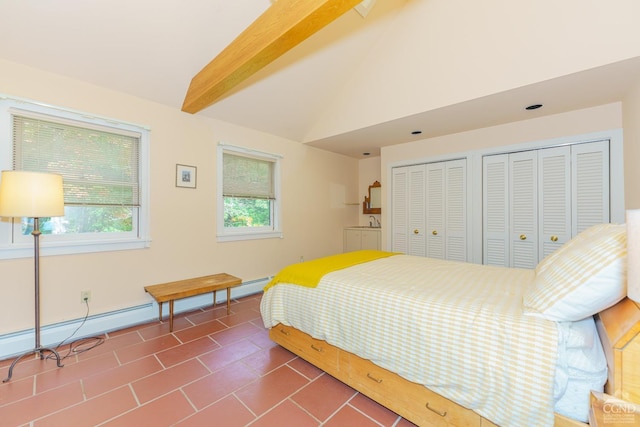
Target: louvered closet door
{"x": 524, "y": 209}
{"x": 416, "y": 220}
{"x": 399, "y": 211}
{"x": 456, "y": 211}
{"x": 495, "y": 210}
{"x": 554, "y": 199}
{"x": 436, "y": 205}
{"x": 429, "y": 210}
{"x": 590, "y": 185}
{"x": 408, "y": 212}
{"x": 548, "y": 196}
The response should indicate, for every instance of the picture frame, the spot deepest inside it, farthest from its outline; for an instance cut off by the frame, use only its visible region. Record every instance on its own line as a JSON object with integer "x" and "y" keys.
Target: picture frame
{"x": 186, "y": 176}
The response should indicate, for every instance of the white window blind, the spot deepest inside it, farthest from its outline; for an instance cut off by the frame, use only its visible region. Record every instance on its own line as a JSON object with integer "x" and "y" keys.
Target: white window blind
{"x": 100, "y": 167}
{"x": 248, "y": 177}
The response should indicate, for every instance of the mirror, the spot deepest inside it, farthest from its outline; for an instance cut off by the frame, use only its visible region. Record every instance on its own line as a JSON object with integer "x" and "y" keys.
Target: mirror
{"x": 373, "y": 203}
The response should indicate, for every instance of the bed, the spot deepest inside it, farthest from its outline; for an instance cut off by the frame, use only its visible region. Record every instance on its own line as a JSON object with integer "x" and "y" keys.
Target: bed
{"x": 447, "y": 343}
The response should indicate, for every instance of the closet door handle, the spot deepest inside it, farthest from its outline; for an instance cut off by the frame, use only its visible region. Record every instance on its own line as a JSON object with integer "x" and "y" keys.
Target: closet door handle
{"x": 523, "y": 237}
{"x": 434, "y": 232}
{"x": 554, "y": 238}
{"x": 416, "y": 231}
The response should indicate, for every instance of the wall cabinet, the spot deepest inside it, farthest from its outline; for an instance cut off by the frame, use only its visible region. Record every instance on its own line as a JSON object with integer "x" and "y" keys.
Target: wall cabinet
{"x": 534, "y": 201}
{"x": 429, "y": 210}
{"x": 358, "y": 238}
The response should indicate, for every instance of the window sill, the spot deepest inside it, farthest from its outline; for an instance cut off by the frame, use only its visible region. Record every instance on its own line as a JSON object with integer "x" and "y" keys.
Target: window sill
{"x": 26, "y": 250}
{"x": 232, "y": 237}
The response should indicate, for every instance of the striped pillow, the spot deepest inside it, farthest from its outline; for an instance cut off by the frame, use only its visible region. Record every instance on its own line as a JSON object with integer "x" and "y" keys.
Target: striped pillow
{"x": 584, "y": 277}
{"x": 578, "y": 240}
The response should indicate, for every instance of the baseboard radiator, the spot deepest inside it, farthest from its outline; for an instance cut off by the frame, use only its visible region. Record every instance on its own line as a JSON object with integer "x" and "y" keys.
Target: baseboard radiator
{"x": 15, "y": 343}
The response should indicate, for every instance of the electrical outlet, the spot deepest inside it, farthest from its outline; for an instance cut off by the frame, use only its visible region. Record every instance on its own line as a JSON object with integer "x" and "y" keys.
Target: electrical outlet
{"x": 85, "y": 296}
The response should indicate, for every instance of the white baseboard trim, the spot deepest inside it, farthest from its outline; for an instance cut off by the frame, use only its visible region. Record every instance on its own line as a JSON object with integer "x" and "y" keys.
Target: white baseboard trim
{"x": 16, "y": 343}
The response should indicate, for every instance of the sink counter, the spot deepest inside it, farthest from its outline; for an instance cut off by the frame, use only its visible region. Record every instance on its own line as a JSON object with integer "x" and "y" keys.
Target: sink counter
{"x": 362, "y": 237}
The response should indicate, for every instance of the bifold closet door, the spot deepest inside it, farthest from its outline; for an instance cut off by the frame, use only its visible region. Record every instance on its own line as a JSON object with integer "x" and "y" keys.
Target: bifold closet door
{"x": 456, "y": 210}
{"x": 554, "y": 199}
{"x": 436, "y": 206}
{"x": 590, "y": 186}
{"x": 510, "y": 209}
{"x": 495, "y": 210}
{"x": 535, "y": 201}
{"x": 399, "y": 214}
{"x": 429, "y": 210}
{"x": 446, "y": 229}
{"x": 408, "y": 212}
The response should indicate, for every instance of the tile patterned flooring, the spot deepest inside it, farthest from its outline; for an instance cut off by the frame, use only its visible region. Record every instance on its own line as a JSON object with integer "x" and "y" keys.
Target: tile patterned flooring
{"x": 213, "y": 370}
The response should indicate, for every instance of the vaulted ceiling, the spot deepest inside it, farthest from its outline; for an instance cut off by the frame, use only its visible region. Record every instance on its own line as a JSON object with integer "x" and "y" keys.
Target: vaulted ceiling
{"x": 152, "y": 49}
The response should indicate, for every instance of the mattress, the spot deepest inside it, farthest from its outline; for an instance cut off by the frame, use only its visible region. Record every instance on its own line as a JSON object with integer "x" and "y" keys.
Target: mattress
{"x": 457, "y": 328}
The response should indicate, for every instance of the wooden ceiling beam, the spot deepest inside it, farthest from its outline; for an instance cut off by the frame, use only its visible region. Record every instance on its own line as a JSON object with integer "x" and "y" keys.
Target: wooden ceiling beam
{"x": 281, "y": 27}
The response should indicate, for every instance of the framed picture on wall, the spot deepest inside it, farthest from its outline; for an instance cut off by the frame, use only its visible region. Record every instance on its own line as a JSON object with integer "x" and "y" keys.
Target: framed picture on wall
{"x": 185, "y": 176}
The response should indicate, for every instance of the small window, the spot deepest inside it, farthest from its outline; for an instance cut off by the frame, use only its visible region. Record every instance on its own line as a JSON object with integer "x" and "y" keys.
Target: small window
{"x": 248, "y": 189}
{"x": 104, "y": 173}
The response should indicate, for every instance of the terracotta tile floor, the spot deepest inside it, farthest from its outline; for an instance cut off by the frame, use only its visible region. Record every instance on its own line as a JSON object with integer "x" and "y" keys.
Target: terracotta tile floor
{"x": 213, "y": 370}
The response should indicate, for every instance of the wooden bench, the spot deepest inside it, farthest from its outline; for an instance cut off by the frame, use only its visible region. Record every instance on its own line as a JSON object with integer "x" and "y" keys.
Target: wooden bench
{"x": 172, "y": 291}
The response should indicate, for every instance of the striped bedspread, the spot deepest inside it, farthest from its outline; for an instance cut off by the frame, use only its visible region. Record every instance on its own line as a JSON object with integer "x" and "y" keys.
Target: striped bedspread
{"x": 457, "y": 328}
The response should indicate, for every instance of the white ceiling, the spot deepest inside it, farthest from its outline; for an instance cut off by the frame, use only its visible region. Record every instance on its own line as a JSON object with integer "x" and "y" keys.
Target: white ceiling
{"x": 152, "y": 49}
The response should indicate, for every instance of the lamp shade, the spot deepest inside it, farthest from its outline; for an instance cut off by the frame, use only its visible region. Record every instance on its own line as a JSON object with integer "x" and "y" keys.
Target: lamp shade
{"x": 633, "y": 254}
{"x": 31, "y": 194}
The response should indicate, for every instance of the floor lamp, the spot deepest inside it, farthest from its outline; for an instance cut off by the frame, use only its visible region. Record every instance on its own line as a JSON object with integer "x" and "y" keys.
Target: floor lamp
{"x": 35, "y": 195}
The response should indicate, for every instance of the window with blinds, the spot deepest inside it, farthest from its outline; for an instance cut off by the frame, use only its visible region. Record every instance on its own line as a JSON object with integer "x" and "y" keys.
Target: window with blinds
{"x": 103, "y": 166}
{"x": 247, "y": 194}
{"x": 247, "y": 177}
{"x": 98, "y": 167}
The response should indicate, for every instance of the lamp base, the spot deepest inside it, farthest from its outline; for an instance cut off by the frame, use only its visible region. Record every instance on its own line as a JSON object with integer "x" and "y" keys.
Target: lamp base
{"x": 39, "y": 350}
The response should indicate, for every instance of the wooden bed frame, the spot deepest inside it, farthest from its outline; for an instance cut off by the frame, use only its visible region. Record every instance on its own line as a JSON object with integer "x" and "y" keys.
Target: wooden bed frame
{"x": 618, "y": 327}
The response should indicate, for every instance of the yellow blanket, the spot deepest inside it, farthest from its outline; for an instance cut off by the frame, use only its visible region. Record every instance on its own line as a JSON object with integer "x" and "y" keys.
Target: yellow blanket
{"x": 309, "y": 273}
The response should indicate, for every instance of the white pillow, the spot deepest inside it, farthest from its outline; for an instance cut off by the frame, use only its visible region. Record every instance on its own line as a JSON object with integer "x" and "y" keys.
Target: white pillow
{"x": 582, "y": 278}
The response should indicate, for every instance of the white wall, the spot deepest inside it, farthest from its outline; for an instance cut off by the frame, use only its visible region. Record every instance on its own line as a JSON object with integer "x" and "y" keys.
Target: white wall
{"x": 585, "y": 121}
{"x": 316, "y": 185}
{"x": 631, "y": 123}
{"x": 439, "y": 53}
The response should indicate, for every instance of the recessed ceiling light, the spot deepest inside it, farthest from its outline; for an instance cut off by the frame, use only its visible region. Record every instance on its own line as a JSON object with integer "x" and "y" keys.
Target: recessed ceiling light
{"x": 416, "y": 132}
{"x": 533, "y": 107}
